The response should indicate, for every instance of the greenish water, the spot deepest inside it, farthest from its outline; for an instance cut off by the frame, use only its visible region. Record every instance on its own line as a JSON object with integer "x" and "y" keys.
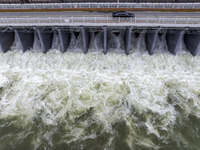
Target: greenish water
{"x": 73, "y": 101}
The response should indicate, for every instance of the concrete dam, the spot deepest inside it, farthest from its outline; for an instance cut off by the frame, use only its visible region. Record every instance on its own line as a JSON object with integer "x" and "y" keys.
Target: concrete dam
{"x": 127, "y": 92}
{"x": 177, "y": 28}
{"x": 106, "y": 38}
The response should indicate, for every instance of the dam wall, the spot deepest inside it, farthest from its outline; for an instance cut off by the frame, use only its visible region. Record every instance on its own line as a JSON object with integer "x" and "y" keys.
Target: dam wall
{"x": 107, "y": 38}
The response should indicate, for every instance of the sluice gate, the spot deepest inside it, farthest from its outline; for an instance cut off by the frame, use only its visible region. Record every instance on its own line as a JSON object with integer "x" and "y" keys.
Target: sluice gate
{"x": 106, "y": 35}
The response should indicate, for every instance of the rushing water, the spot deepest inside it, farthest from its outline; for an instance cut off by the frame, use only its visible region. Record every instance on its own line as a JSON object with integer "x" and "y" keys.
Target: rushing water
{"x": 74, "y": 101}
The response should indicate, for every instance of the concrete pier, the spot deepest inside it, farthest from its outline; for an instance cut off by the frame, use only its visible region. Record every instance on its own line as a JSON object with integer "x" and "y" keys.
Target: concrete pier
{"x": 64, "y": 36}
{"x": 85, "y": 38}
{"x": 105, "y": 40}
{"x": 174, "y": 38}
{"x": 45, "y": 38}
{"x": 128, "y": 40}
{"x": 192, "y": 42}
{"x": 150, "y": 39}
{"x": 6, "y": 40}
{"x": 25, "y": 39}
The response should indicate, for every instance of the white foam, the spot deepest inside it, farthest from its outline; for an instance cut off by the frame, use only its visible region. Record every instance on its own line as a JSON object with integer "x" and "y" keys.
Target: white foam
{"x": 60, "y": 88}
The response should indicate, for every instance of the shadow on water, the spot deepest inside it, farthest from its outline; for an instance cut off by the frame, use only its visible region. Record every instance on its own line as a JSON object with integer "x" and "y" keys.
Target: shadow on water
{"x": 122, "y": 132}
{"x": 10, "y": 135}
{"x": 132, "y": 132}
{"x": 183, "y": 135}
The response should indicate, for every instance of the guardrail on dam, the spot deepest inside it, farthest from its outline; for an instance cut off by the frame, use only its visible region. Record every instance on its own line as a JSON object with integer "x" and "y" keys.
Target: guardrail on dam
{"x": 97, "y": 1}
{"x": 102, "y": 5}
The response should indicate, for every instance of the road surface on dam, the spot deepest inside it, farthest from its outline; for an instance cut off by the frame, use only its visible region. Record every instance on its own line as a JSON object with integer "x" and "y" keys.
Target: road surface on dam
{"x": 141, "y": 14}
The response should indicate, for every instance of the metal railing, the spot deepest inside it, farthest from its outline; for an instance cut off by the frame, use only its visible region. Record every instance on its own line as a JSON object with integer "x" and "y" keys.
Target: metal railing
{"x": 102, "y": 5}
{"x": 99, "y": 21}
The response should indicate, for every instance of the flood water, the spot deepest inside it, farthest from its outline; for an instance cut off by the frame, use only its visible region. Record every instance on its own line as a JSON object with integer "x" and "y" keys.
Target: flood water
{"x": 76, "y": 101}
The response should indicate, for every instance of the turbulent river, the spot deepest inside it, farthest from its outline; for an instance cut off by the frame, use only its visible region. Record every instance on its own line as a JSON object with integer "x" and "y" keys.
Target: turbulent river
{"x": 76, "y": 101}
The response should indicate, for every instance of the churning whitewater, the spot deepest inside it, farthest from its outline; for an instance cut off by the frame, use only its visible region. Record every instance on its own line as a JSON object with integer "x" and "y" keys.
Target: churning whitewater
{"x": 72, "y": 101}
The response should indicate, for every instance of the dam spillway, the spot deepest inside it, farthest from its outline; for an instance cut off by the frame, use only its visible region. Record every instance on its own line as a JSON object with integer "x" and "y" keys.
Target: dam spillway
{"x": 114, "y": 97}
{"x": 106, "y": 38}
{"x": 66, "y": 100}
